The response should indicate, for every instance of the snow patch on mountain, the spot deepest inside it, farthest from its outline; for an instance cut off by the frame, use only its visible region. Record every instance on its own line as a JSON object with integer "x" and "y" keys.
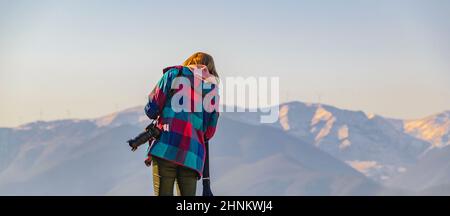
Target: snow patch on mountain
{"x": 283, "y": 117}
{"x": 364, "y": 166}
{"x": 434, "y": 129}
{"x": 322, "y": 115}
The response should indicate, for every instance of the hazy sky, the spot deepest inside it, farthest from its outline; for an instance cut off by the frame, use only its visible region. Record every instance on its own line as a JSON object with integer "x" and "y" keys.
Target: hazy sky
{"x": 83, "y": 59}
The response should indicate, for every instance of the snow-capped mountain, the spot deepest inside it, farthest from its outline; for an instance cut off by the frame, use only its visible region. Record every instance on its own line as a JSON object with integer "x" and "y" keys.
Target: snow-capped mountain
{"x": 90, "y": 157}
{"x": 369, "y": 143}
{"x": 434, "y": 129}
{"x": 313, "y": 149}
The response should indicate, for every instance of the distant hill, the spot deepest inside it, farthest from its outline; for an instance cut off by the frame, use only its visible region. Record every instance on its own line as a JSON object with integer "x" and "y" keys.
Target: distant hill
{"x": 312, "y": 150}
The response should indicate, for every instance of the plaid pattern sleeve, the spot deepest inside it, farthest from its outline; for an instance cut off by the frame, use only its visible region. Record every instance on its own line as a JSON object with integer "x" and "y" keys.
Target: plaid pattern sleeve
{"x": 157, "y": 98}
{"x": 182, "y": 140}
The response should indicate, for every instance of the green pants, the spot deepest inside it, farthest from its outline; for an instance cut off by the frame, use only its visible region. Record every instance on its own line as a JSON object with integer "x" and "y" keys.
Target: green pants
{"x": 164, "y": 175}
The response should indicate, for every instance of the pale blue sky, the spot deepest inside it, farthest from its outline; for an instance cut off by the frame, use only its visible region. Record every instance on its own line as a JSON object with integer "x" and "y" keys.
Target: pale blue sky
{"x": 82, "y": 59}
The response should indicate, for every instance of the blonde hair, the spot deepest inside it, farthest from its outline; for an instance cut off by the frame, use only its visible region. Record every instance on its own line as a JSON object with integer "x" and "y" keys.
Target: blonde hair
{"x": 201, "y": 58}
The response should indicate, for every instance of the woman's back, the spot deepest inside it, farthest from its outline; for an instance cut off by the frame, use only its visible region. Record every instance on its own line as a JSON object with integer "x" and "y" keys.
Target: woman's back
{"x": 185, "y": 100}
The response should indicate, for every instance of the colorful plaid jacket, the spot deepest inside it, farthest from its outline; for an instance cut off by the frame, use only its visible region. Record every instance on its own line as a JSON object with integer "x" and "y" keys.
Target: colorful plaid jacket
{"x": 184, "y": 131}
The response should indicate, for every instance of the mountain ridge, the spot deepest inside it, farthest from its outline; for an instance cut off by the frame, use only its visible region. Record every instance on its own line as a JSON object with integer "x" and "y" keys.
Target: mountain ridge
{"x": 373, "y": 150}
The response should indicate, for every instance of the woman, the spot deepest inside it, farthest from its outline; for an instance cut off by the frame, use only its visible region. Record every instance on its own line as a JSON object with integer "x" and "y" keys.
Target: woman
{"x": 179, "y": 154}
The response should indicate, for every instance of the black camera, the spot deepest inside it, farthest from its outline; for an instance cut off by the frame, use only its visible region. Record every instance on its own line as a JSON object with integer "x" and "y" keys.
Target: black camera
{"x": 151, "y": 132}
